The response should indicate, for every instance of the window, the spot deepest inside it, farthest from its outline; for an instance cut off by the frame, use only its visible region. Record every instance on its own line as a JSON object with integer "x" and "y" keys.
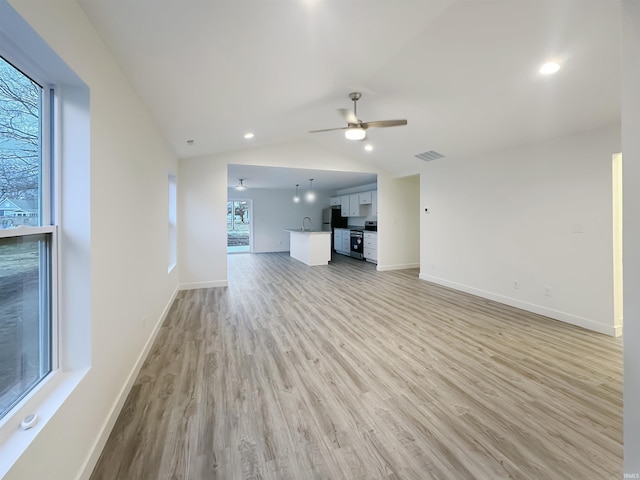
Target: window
{"x": 173, "y": 227}
{"x": 26, "y": 236}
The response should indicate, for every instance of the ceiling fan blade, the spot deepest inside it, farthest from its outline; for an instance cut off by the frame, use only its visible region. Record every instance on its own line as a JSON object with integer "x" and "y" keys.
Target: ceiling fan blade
{"x": 327, "y": 129}
{"x": 349, "y": 116}
{"x": 384, "y": 123}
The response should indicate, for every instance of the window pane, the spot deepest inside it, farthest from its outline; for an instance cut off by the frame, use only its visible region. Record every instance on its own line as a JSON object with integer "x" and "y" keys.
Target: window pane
{"x": 25, "y": 349}
{"x": 20, "y": 148}
{"x": 25, "y": 278}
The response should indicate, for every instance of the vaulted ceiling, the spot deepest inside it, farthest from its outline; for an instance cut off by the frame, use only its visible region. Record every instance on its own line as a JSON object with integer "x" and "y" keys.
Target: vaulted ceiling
{"x": 464, "y": 73}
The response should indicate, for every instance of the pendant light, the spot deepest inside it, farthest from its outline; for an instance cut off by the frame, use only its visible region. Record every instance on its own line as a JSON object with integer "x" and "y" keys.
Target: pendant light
{"x": 296, "y": 198}
{"x": 241, "y": 187}
{"x": 310, "y": 195}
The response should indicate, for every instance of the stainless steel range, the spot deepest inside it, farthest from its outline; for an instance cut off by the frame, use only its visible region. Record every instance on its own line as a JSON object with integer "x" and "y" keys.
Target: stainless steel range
{"x": 357, "y": 243}
{"x": 371, "y": 226}
{"x": 357, "y": 238}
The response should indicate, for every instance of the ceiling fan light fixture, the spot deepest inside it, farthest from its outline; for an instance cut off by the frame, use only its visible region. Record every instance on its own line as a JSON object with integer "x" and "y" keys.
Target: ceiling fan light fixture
{"x": 241, "y": 187}
{"x": 355, "y": 133}
{"x": 549, "y": 68}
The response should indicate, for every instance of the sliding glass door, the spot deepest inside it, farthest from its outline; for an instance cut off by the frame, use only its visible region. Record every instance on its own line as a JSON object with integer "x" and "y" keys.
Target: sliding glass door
{"x": 239, "y": 213}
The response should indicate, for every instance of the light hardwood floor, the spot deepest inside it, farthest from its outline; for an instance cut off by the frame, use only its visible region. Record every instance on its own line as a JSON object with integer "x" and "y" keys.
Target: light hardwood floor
{"x": 343, "y": 372}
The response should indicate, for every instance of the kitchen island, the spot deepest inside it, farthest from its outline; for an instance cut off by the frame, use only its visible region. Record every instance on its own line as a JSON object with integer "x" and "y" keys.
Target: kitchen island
{"x": 310, "y": 247}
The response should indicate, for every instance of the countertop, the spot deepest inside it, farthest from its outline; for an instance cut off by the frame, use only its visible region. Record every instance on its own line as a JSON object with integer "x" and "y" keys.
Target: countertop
{"x": 307, "y": 232}
{"x": 356, "y": 228}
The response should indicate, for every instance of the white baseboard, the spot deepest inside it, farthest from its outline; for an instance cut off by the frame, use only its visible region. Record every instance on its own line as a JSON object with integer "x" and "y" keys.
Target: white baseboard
{"x": 105, "y": 431}
{"x": 196, "y": 285}
{"x": 405, "y": 266}
{"x": 529, "y": 307}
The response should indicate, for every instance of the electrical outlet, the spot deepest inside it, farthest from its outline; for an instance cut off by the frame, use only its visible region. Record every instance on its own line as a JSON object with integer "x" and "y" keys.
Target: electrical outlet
{"x": 547, "y": 291}
{"x": 516, "y": 285}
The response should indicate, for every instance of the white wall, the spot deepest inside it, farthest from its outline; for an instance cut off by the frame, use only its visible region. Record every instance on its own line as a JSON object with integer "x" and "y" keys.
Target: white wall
{"x": 129, "y": 164}
{"x": 274, "y": 211}
{"x": 497, "y": 219}
{"x": 631, "y": 235}
{"x": 202, "y": 223}
{"x": 399, "y": 223}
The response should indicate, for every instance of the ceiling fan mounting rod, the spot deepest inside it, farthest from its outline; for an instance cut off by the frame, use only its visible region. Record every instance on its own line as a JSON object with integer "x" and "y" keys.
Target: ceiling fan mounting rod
{"x": 355, "y": 96}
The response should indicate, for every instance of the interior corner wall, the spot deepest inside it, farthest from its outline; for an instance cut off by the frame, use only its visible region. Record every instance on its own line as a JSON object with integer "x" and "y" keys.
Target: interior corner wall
{"x": 202, "y": 220}
{"x": 130, "y": 287}
{"x": 398, "y": 222}
{"x": 631, "y": 232}
{"x": 274, "y": 211}
{"x": 529, "y": 227}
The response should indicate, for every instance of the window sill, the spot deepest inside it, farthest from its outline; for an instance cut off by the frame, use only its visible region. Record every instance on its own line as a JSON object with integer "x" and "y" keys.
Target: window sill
{"x": 44, "y": 400}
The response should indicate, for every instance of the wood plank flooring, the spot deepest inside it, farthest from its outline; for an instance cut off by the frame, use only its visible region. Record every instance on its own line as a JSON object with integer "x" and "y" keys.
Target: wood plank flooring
{"x": 343, "y": 372}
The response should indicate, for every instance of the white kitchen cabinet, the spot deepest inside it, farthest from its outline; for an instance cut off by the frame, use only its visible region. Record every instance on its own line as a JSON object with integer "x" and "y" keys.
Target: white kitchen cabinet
{"x": 335, "y": 201}
{"x": 365, "y": 198}
{"x": 354, "y": 205}
{"x": 371, "y": 247}
{"x": 344, "y": 205}
{"x": 374, "y": 203}
{"x": 337, "y": 239}
{"x": 346, "y": 243}
{"x": 342, "y": 240}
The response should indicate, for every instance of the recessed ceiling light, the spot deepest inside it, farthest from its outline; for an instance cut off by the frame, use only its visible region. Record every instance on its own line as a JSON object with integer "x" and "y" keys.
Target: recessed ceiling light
{"x": 368, "y": 147}
{"x": 549, "y": 68}
{"x": 248, "y": 135}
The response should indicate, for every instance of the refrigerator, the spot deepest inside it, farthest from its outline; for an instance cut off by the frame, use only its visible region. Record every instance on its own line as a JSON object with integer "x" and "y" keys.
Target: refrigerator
{"x": 332, "y": 218}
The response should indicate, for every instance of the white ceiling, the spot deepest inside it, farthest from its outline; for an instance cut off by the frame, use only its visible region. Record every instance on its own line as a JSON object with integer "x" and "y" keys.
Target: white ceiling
{"x": 463, "y": 73}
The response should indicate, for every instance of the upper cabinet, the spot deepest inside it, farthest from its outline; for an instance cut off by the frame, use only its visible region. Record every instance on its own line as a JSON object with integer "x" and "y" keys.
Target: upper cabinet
{"x": 354, "y": 205}
{"x": 365, "y": 198}
{"x": 344, "y": 206}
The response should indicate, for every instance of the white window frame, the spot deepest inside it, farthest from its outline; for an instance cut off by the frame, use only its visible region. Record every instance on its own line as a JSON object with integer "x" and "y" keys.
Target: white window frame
{"x": 46, "y": 204}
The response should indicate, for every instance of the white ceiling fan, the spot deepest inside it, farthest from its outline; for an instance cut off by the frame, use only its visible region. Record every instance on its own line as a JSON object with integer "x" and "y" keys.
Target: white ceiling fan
{"x": 356, "y": 129}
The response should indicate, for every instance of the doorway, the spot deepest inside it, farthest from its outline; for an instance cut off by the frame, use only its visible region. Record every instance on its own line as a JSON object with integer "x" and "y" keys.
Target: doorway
{"x": 239, "y": 226}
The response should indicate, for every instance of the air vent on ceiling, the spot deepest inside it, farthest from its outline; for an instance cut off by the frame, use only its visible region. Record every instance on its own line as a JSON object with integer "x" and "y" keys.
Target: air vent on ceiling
{"x": 430, "y": 155}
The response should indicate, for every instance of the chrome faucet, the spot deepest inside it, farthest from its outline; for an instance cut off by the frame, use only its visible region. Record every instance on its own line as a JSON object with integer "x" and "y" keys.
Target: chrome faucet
{"x": 305, "y": 218}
